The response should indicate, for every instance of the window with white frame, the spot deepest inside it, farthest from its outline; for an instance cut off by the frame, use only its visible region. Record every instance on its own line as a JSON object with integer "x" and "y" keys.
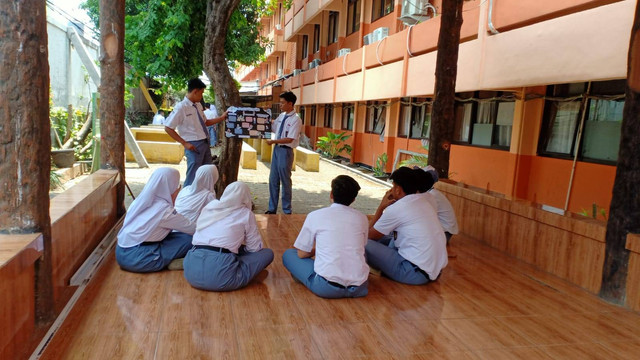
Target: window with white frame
{"x": 601, "y": 105}
{"x": 376, "y": 117}
{"x": 415, "y": 118}
{"x": 484, "y": 118}
{"x": 347, "y": 116}
{"x": 328, "y": 116}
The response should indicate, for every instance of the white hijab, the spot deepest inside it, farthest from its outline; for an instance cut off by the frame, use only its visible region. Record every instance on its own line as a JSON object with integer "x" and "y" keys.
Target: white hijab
{"x": 235, "y": 196}
{"x": 144, "y": 214}
{"x": 194, "y": 197}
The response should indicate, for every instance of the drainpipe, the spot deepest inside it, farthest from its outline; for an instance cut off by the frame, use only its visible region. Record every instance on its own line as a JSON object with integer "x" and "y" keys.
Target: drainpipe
{"x": 491, "y": 27}
{"x": 575, "y": 156}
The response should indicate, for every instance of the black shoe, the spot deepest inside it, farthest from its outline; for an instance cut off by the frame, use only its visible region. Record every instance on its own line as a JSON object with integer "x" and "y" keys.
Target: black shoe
{"x": 270, "y": 212}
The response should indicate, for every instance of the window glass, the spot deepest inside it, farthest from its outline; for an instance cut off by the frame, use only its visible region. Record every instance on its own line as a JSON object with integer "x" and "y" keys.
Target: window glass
{"x": 564, "y": 119}
{"x": 332, "y": 35}
{"x": 347, "y": 117}
{"x": 353, "y": 16}
{"x": 328, "y": 116}
{"x": 404, "y": 122}
{"x": 381, "y": 8}
{"x": 301, "y": 114}
{"x": 376, "y": 117}
{"x": 602, "y": 130}
{"x": 312, "y": 116}
{"x": 305, "y": 46}
{"x": 316, "y": 38}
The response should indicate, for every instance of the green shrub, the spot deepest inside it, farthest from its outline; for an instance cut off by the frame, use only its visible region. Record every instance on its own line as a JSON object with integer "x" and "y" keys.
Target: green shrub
{"x": 333, "y": 145}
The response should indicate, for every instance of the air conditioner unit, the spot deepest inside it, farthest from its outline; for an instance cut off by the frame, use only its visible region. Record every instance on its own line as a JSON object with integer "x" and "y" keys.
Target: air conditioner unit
{"x": 414, "y": 11}
{"x": 314, "y": 63}
{"x": 278, "y": 27}
{"x": 343, "y": 52}
{"x": 380, "y": 33}
{"x": 368, "y": 39}
{"x": 297, "y": 72}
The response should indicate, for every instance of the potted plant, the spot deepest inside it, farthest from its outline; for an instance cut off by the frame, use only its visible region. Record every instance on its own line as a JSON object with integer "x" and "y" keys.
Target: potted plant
{"x": 333, "y": 145}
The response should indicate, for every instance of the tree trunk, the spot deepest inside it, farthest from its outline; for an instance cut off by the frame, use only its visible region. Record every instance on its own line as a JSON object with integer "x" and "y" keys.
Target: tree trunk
{"x": 215, "y": 66}
{"x": 624, "y": 213}
{"x": 112, "y": 91}
{"x": 443, "y": 111}
{"x": 25, "y": 145}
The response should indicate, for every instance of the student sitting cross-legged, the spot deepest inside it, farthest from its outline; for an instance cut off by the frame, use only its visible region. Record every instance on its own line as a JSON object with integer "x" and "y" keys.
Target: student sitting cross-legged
{"x": 146, "y": 242}
{"x": 417, "y": 252}
{"x": 446, "y": 214}
{"x": 227, "y": 248}
{"x": 340, "y": 234}
{"x": 193, "y": 198}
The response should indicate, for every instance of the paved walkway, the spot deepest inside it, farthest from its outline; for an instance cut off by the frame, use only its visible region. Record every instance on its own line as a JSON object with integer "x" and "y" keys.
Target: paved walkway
{"x": 310, "y": 189}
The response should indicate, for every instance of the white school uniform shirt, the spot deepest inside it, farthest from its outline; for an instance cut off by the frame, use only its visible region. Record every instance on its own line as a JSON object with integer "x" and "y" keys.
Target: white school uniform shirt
{"x": 420, "y": 237}
{"x": 446, "y": 215}
{"x": 431, "y": 199}
{"x": 158, "y": 119}
{"x": 184, "y": 118}
{"x": 230, "y": 232}
{"x": 293, "y": 124}
{"x": 340, "y": 235}
{"x": 211, "y": 112}
{"x": 229, "y": 222}
{"x": 151, "y": 216}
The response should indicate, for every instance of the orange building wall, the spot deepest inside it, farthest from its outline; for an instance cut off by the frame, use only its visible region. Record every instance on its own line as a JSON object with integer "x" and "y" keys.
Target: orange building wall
{"x": 484, "y": 168}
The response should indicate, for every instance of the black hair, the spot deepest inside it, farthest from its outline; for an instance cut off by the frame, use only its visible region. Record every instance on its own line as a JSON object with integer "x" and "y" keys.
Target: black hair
{"x": 289, "y": 97}
{"x": 344, "y": 189}
{"x": 207, "y": 105}
{"x": 406, "y": 179}
{"x": 425, "y": 180}
{"x": 195, "y": 83}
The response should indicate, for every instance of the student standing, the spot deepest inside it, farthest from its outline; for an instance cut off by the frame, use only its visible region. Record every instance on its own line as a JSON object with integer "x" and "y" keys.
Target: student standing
{"x": 189, "y": 120}
{"x": 146, "y": 242}
{"x": 285, "y": 137}
{"x": 339, "y": 233}
{"x": 210, "y": 112}
{"x": 227, "y": 248}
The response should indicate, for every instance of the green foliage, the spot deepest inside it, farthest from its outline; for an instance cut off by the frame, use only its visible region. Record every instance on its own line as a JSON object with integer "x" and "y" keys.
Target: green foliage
{"x": 55, "y": 182}
{"x": 58, "y": 117}
{"x": 595, "y": 211}
{"x": 380, "y": 166}
{"x": 164, "y": 39}
{"x": 333, "y": 145}
{"x": 417, "y": 160}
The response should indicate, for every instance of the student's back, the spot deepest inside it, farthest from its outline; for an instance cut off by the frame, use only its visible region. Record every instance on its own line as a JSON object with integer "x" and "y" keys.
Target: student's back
{"x": 340, "y": 235}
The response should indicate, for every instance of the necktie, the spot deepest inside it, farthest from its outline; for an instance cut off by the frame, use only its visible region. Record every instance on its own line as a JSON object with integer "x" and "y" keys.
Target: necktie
{"x": 282, "y": 123}
{"x": 204, "y": 127}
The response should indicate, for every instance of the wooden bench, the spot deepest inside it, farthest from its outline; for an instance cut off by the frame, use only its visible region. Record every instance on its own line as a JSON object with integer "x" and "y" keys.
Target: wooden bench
{"x": 18, "y": 256}
{"x": 156, "y": 145}
{"x": 307, "y": 159}
{"x": 158, "y": 152}
{"x": 248, "y": 157}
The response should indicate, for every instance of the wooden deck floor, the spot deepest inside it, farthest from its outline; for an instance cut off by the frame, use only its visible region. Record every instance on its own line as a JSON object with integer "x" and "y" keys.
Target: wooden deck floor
{"x": 485, "y": 305}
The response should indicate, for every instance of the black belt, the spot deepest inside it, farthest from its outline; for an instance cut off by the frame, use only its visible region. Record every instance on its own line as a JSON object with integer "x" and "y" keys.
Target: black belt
{"x": 213, "y": 248}
{"x": 336, "y": 284}
{"x": 284, "y": 146}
